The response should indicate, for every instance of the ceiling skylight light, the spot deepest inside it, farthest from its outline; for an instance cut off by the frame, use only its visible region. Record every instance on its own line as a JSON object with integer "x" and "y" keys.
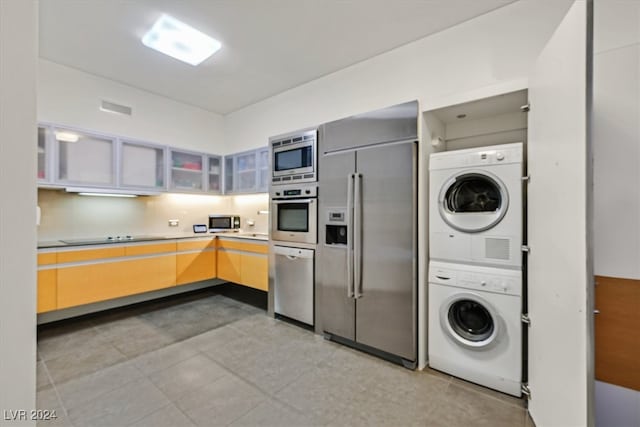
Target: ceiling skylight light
{"x": 180, "y": 41}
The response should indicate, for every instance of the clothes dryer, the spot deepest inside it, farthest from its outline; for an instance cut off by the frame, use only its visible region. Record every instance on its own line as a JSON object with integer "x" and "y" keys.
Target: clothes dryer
{"x": 476, "y": 206}
{"x": 475, "y": 327}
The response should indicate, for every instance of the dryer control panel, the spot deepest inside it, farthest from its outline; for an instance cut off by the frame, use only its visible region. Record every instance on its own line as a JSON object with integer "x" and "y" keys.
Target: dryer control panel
{"x": 487, "y": 279}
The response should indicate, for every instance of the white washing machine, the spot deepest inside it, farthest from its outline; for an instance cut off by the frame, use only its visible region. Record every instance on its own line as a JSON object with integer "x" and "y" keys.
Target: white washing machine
{"x": 475, "y": 210}
{"x": 475, "y": 327}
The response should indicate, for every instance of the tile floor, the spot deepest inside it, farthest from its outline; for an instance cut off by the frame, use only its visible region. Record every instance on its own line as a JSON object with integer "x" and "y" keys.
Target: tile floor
{"x": 208, "y": 360}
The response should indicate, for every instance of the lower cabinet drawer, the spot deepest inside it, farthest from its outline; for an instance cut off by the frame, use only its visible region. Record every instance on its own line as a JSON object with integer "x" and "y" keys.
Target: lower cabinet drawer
{"x": 99, "y": 282}
{"x": 194, "y": 267}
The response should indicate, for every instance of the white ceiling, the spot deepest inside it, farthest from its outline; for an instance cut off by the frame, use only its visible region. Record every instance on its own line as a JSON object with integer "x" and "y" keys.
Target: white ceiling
{"x": 269, "y": 46}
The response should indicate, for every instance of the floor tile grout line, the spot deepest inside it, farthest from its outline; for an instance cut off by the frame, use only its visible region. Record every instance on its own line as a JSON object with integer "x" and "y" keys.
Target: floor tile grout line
{"x": 151, "y": 413}
{"x": 174, "y": 402}
{"x": 55, "y": 390}
{"x": 171, "y": 401}
{"x": 242, "y": 379}
{"x": 129, "y": 381}
{"x": 155, "y": 371}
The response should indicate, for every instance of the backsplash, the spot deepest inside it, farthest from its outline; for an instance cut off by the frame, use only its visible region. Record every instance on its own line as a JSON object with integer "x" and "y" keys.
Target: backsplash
{"x": 70, "y": 216}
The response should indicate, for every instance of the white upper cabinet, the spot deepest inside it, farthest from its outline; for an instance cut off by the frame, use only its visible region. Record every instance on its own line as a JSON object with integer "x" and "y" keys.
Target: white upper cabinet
{"x": 84, "y": 159}
{"x": 73, "y": 158}
{"x": 228, "y": 173}
{"x": 247, "y": 172}
{"x": 186, "y": 171}
{"x": 264, "y": 169}
{"x": 142, "y": 166}
{"x": 44, "y": 155}
{"x": 214, "y": 174}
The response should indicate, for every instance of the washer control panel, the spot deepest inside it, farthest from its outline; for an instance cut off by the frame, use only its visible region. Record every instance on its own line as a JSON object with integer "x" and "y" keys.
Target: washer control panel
{"x": 488, "y": 279}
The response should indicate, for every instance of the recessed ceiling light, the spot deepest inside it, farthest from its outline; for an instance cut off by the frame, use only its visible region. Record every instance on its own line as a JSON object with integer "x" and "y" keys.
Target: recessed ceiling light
{"x": 180, "y": 41}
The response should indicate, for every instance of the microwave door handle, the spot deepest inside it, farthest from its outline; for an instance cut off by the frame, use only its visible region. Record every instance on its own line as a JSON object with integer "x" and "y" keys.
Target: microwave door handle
{"x": 349, "y": 251}
{"x": 357, "y": 244}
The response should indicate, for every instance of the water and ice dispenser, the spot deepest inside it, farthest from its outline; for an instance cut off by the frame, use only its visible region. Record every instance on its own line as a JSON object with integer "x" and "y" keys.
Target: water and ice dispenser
{"x": 336, "y": 226}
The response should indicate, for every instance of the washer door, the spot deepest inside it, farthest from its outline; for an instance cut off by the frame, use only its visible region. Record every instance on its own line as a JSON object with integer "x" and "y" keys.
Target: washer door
{"x": 470, "y": 321}
{"x": 473, "y": 201}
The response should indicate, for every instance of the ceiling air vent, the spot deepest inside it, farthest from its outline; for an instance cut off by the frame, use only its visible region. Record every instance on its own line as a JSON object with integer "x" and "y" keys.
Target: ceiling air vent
{"x": 111, "y": 107}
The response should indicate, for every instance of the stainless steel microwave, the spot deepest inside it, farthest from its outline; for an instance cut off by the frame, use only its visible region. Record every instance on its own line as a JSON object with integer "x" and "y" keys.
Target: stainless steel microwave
{"x": 224, "y": 222}
{"x": 294, "y": 157}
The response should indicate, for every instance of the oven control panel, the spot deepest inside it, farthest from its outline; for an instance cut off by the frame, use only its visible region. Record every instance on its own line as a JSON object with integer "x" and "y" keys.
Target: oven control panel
{"x": 294, "y": 192}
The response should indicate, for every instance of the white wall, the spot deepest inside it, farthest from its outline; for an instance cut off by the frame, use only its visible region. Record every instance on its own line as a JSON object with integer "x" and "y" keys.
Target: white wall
{"x": 18, "y": 52}
{"x": 71, "y": 97}
{"x": 493, "y": 49}
{"x": 616, "y": 136}
{"x": 616, "y": 150}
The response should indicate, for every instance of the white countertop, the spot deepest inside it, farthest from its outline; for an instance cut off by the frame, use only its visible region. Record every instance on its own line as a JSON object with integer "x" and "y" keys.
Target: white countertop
{"x": 102, "y": 241}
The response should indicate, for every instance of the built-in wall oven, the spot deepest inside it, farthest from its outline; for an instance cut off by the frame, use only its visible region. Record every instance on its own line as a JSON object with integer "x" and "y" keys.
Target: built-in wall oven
{"x": 294, "y": 213}
{"x": 294, "y": 157}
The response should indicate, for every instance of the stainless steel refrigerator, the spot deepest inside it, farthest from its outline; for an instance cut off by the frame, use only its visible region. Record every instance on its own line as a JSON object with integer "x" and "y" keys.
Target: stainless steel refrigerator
{"x": 367, "y": 249}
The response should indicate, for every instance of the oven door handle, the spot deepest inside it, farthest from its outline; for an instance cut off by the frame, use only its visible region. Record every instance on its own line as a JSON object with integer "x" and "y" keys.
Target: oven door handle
{"x": 280, "y": 201}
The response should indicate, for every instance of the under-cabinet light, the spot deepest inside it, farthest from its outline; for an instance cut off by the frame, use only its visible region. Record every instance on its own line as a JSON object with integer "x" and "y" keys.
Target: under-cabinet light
{"x": 110, "y": 192}
{"x": 67, "y": 137}
{"x": 180, "y": 41}
{"x": 107, "y": 194}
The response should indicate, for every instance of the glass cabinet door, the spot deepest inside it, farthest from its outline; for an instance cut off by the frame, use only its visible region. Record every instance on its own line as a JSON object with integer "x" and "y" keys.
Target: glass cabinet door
{"x": 264, "y": 169}
{"x": 246, "y": 172}
{"x": 142, "y": 166}
{"x": 186, "y": 171}
{"x": 84, "y": 158}
{"x": 228, "y": 174}
{"x": 43, "y": 157}
{"x": 214, "y": 174}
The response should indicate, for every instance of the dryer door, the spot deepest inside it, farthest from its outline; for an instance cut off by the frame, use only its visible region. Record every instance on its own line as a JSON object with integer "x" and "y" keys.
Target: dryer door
{"x": 470, "y": 321}
{"x": 473, "y": 201}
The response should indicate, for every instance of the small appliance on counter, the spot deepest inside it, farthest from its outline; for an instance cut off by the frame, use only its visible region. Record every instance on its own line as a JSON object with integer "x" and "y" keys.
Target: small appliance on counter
{"x": 224, "y": 223}
{"x": 200, "y": 228}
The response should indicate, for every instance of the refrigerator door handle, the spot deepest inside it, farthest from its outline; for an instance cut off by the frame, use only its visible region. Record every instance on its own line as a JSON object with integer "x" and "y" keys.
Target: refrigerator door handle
{"x": 357, "y": 231}
{"x": 350, "y": 285}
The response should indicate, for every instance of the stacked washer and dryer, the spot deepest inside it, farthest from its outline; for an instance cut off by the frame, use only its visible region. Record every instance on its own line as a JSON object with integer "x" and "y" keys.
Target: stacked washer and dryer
{"x": 475, "y": 268}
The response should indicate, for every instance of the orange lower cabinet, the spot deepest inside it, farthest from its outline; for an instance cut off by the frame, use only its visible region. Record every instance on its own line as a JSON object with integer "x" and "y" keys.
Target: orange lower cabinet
{"x": 99, "y": 282}
{"x": 156, "y": 248}
{"x": 255, "y": 271}
{"x": 196, "y": 266}
{"x": 90, "y": 254}
{"x": 243, "y": 246}
{"x": 229, "y": 266}
{"x": 191, "y": 245}
{"x": 47, "y": 290}
{"x": 45, "y": 258}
